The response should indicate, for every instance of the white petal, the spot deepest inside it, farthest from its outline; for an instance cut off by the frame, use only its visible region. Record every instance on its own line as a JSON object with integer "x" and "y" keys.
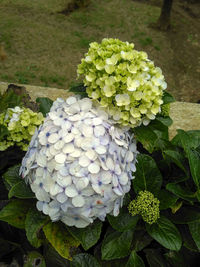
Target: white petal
{"x": 41, "y": 160}
{"x": 85, "y": 104}
{"x": 123, "y": 179}
{"x": 68, "y": 148}
{"x": 71, "y": 191}
{"x": 86, "y": 130}
{"x": 100, "y": 149}
{"x": 106, "y": 177}
{"x": 91, "y": 154}
{"x": 75, "y": 108}
{"x": 61, "y": 197}
{"x": 118, "y": 191}
{"x": 84, "y": 161}
{"x": 60, "y": 158}
{"x": 58, "y": 145}
{"x": 55, "y": 189}
{"x": 97, "y": 189}
{"x": 129, "y": 156}
{"x": 76, "y": 117}
{"x": 82, "y": 183}
{"x": 64, "y": 181}
{"x": 76, "y": 153}
{"x": 53, "y": 138}
{"x": 78, "y": 201}
{"x": 53, "y": 151}
{"x": 68, "y": 220}
{"x": 66, "y": 125}
{"x": 110, "y": 164}
{"x": 71, "y": 100}
{"x": 68, "y": 138}
{"x": 64, "y": 171}
{"x": 94, "y": 168}
{"x": 99, "y": 131}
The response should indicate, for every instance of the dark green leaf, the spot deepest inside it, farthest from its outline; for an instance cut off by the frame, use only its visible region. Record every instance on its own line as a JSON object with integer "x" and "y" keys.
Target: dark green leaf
{"x": 135, "y": 260}
{"x": 45, "y": 105}
{"x": 53, "y": 258}
{"x": 35, "y": 259}
{"x": 154, "y": 258}
{"x": 147, "y": 175}
{"x": 14, "y": 213}
{"x": 60, "y": 239}
{"x": 89, "y": 235}
{"x": 165, "y": 233}
{"x": 181, "y": 191}
{"x": 21, "y": 190}
{"x": 188, "y": 241}
{"x": 34, "y": 222}
{"x": 6, "y": 247}
{"x": 84, "y": 260}
{"x": 186, "y": 215}
{"x": 175, "y": 259}
{"x": 195, "y": 232}
{"x": 9, "y": 100}
{"x": 141, "y": 239}
{"x": 12, "y": 176}
{"x": 176, "y": 157}
{"x": 194, "y": 162}
{"x": 167, "y": 199}
{"x": 167, "y": 121}
{"x": 3, "y": 131}
{"x": 78, "y": 89}
{"x": 146, "y": 137}
{"x": 190, "y": 139}
{"x": 116, "y": 245}
{"x": 124, "y": 221}
{"x": 168, "y": 98}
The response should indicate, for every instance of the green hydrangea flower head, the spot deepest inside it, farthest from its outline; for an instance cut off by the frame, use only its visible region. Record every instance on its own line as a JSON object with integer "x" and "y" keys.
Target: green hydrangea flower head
{"x": 145, "y": 205}
{"x": 21, "y": 124}
{"x": 124, "y": 81}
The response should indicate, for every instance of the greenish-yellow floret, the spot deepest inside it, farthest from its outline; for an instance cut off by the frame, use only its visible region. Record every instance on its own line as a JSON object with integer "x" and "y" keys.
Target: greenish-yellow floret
{"x": 145, "y": 205}
{"x": 21, "y": 124}
{"x": 165, "y": 110}
{"x": 124, "y": 81}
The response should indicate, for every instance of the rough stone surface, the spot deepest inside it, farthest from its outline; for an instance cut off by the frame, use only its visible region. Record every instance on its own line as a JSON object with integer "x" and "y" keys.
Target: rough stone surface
{"x": 185, "y": 116}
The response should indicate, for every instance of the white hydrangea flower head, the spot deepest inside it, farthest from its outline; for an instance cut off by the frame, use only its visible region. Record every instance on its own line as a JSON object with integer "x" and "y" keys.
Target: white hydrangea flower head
{"x": 79, "y": 165}
{"x": 124, "y": 81}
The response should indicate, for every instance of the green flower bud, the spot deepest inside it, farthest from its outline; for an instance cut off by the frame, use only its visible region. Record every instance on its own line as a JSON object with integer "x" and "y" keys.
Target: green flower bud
{"x": 145, "y": 205}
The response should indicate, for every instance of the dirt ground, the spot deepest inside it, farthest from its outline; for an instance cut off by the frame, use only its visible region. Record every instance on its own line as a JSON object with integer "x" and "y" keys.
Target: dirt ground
{"x": 44, "y": 47}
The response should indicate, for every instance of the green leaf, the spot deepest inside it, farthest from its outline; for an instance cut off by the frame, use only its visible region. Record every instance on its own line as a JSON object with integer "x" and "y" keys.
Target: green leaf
{"x": 44, "y": 105}
{"x": 3, "y": 131}
{"x": 181, "y": 191}
{"x": 165, "y": 233}
{"x": 53, "y": 258}
{"x": 147, "y": 175}
{"x": 190, "y": 139}
{"x": 21, "y": 190}
{"x": 34, "y": 258}
{"x": 12, "y": 176}
{"x": 195, "y": 232}
{"x": 116, "y": 245}
{"x": 167, "y": 199}
{"x": 167, "y": 121}
{"x": 141, "y": 239}
{"x": 60, "y": 239}
{"x": 34, "y": 222}
{"x": 186, "y": 215}
{"x": 176, "y": 157}
{"x": 135, "y": 260}
{"x": 194, "y": 162}
{"x": 14, "y": 213}
{"x": 154, "y": 258}
{"x": 84, "y": 260}
{"x": 168, "y": 98}
{"x": 124, "y": 221}
{"x": 175, "y": 259}
{"x": 9, "y": 100}
{"x": 89, "y": 235}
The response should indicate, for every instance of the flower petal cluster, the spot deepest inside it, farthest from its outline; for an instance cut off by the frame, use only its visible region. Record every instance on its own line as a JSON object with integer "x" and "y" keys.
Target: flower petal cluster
{"x": 124, "y": 81}
{"x": 79, "y": 165}
{"x": 21, "y": 124}
{"x": 145, "y": 205}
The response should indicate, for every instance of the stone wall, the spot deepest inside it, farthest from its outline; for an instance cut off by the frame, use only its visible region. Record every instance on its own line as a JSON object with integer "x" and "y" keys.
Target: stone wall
{"x": 185, "y": 116}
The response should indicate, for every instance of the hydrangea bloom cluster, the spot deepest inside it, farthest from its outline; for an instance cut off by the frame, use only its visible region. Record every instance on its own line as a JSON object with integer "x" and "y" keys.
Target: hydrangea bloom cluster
{"x": 21, "y": 124}
{"x": 146, "y": 205}
{"x": 79, "y": 164}
{"x": 124, "y": 81}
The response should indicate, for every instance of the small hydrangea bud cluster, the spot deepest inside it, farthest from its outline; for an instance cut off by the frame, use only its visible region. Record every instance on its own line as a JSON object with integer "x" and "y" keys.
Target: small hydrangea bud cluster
{"x": 124, "y": 81}
{"x": 79, "y": 165}
{"x": 21, "y": 124}
{"x": 165, "y": 109}
{"x": 145, "y": 205}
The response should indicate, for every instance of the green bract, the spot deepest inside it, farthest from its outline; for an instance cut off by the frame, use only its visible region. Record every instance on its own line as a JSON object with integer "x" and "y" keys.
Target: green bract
{"x": 146, "y": 205}
{"x": 124, "y": 81}
{"x": 21, "y": 124}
